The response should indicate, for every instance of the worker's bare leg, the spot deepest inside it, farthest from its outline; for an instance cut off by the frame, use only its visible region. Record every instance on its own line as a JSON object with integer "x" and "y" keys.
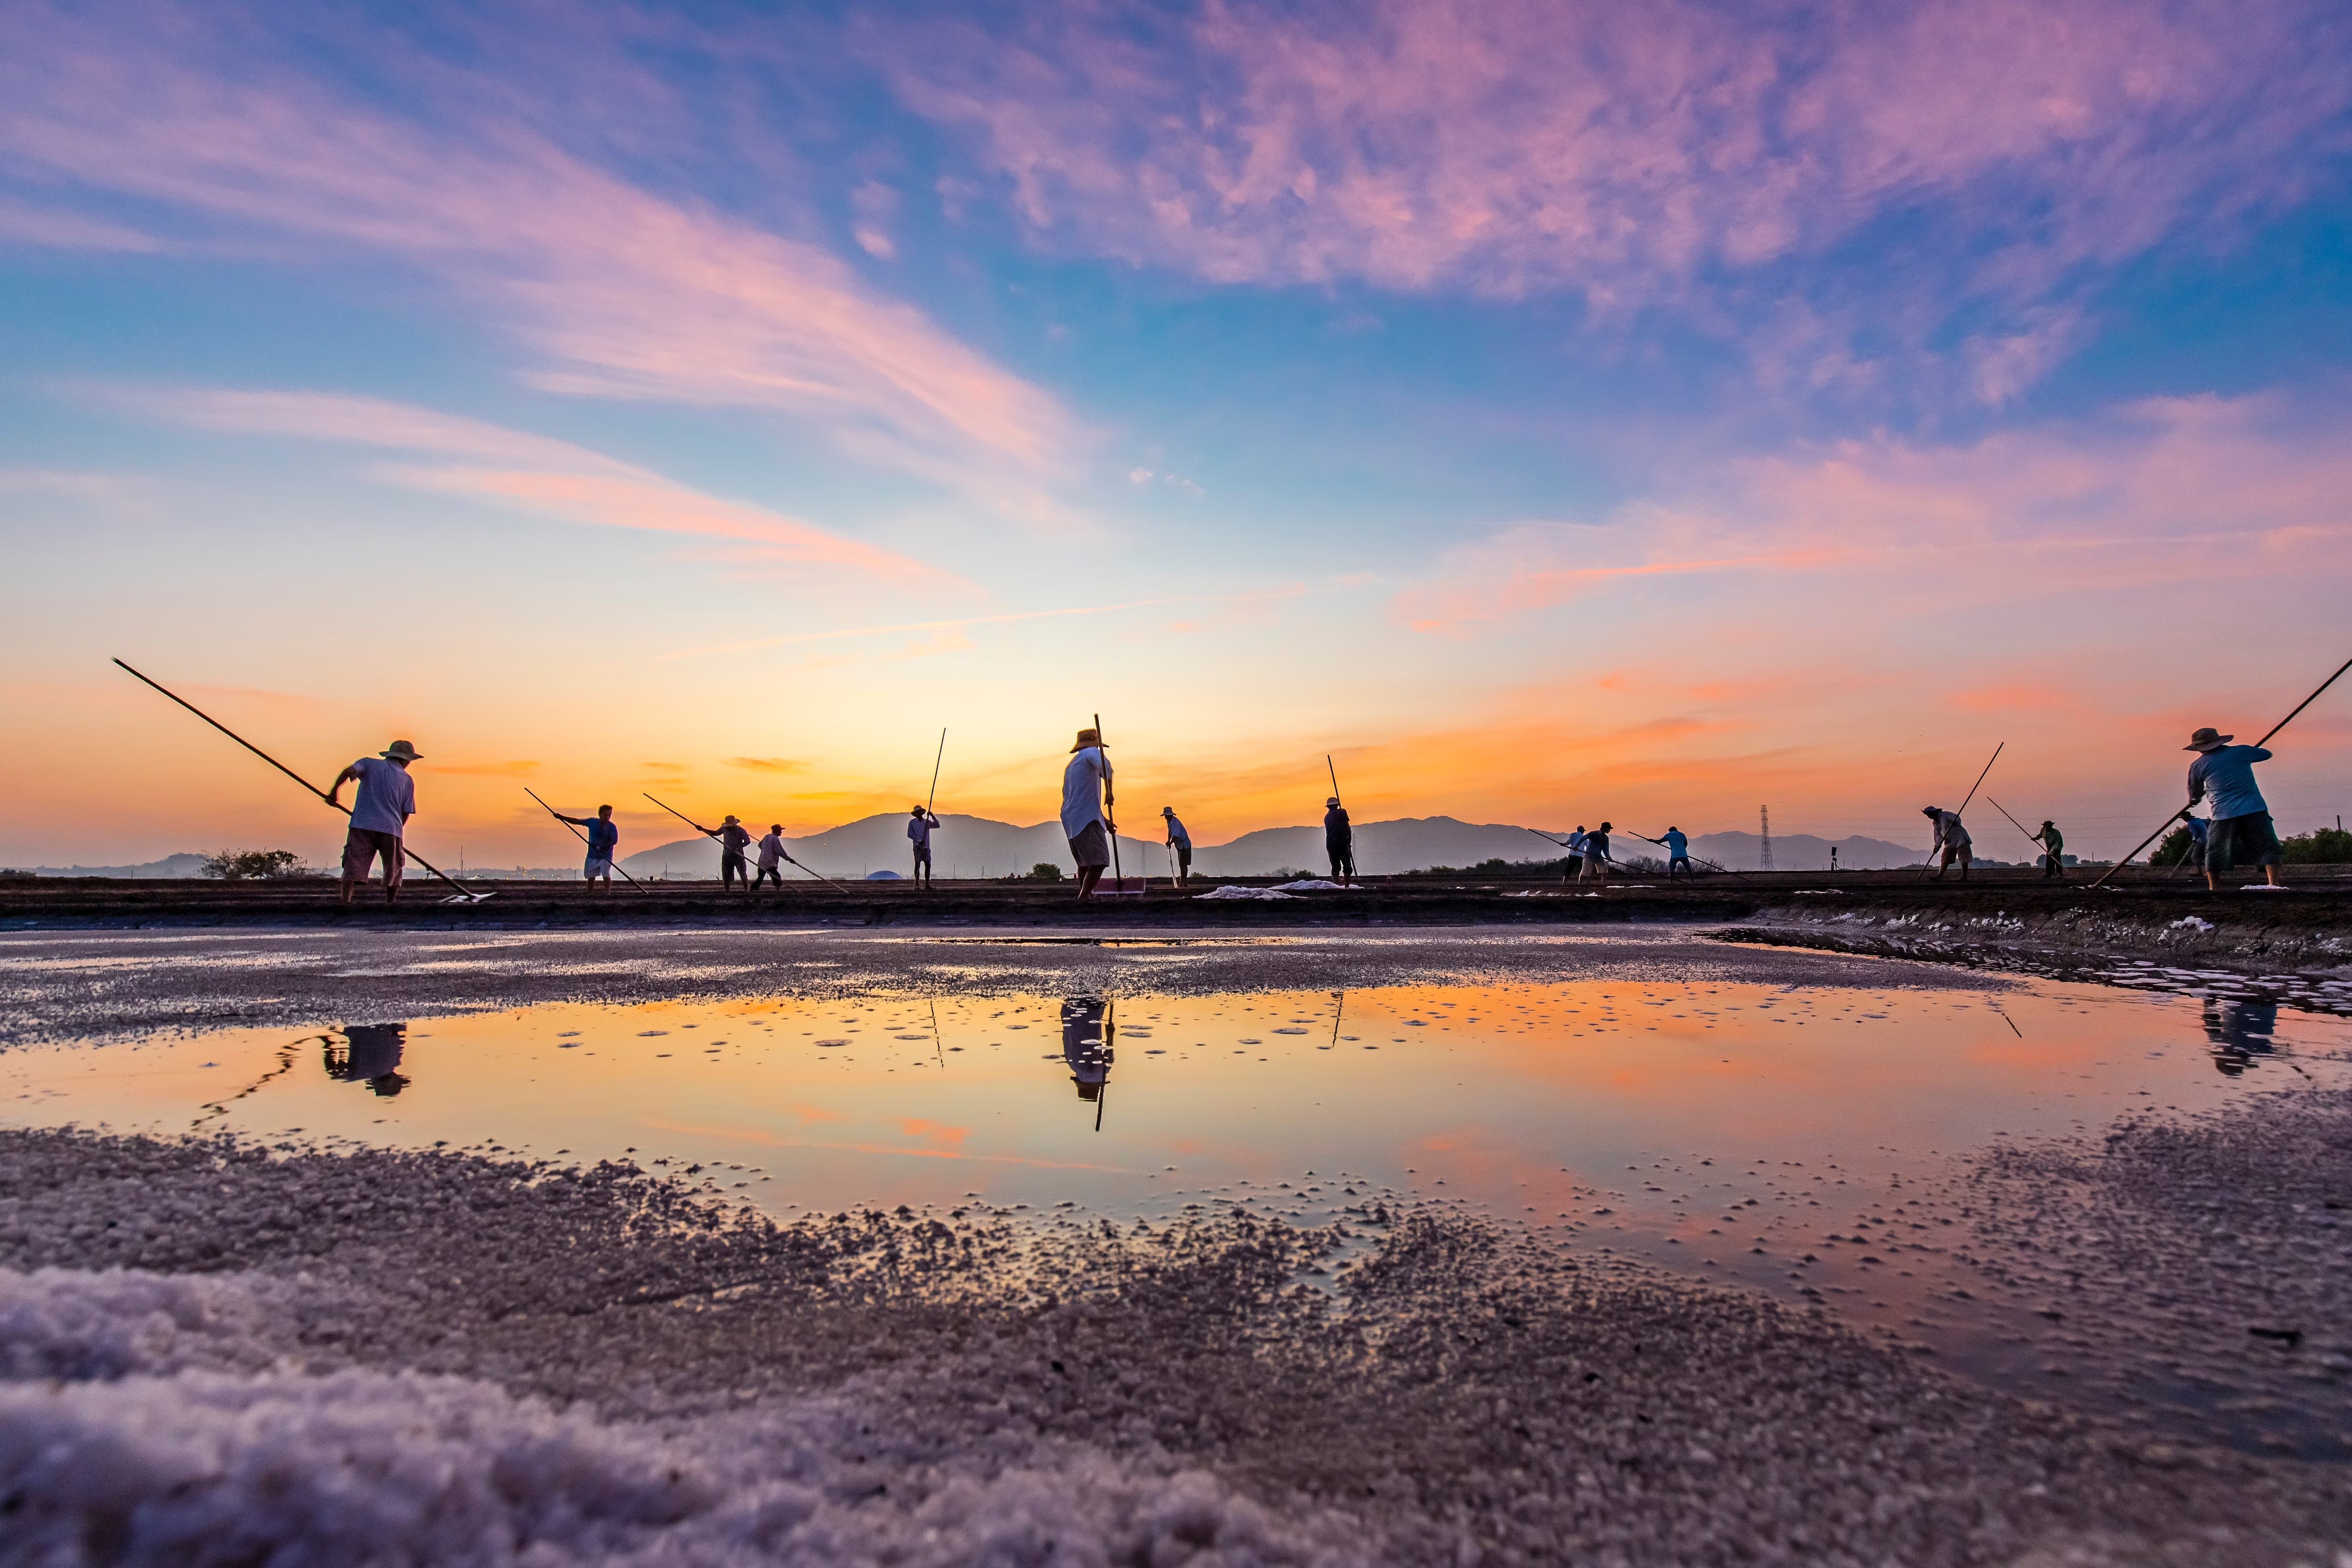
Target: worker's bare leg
{"x": 1088, "y": 876}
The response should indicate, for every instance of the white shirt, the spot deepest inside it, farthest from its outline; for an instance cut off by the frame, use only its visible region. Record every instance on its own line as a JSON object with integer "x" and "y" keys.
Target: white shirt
{"x": 920, "y": 829}
{"x": 1082, "y": 788}
{"x": 387, "y": 796}
{"x": 1950, "y": 834}
{"x": 1176, "y": 833}
{"x": 771, "y": 850}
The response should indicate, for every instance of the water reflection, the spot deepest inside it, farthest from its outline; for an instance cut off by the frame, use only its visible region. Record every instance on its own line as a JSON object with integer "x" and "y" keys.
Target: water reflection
{"x": 2239, "y": 1030}
{"x": 1090, "y": 1033}
{"x": 369, "y": 1053}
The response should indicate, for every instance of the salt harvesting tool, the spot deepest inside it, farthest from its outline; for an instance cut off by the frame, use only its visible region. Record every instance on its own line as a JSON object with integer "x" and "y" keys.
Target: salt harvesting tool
{"x": 2265, "y": 740}
{"x": 576, "y": 833}
{"x": 1111, "y": 809}
{"x": 465, "y": 894}
{"x": 933, "y": 797}
{"x": 2018, "y": 825}
{"x": 1971, "y": 794}
{"x": 698, "y": 828}
{"x": 1662, "y": 844}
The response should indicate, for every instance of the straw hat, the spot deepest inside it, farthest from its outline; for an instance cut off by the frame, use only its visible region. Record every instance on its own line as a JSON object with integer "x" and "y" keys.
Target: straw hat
{"x": 2208, "y": 739}
{"x": 401, "y": 751}
{"x": 1087, "y": 738}
{"x": 1332, "y": 801}
{"x": 1167, "y": 810}
{"x": 731, "y": 822}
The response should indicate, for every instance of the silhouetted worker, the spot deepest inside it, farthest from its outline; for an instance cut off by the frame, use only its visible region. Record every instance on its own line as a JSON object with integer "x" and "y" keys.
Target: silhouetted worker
{"x": 1596, "y": 854}
{"x": 920, "y": 824}
{"x": 1677, "y": 845}
{"x": 1576, "y": 842}
{"x": 370, "y": 1055}
{"x": 1833, "y": 857}
{"x": 380, "y": 813}
{"x": 1083, "y": 822}
{"x": 733, "y": 839}
{"x": 1083, "y": 1047}
{"x": 602, "y": 836}
{"x": 1340, "y": 841}
{"x": 1951, "y": 841}
{"x": 2054, "y": 848}
{"x": 2241, "y": 831}
{"x": 1180, "y": 843}
{"x": 772, "y": 858}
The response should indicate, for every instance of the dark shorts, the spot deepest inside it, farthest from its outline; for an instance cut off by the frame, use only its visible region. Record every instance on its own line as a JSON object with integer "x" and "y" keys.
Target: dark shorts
{"x": 2249, "y": 839}
{"x": 732, "y": 866}
{"x": 923, "y": 853}
{"x": 361, "y": 847}
{"x": 1091, "y": 849}
{"x": 1183, "y": 855}
{"x": 1342, "y": 854}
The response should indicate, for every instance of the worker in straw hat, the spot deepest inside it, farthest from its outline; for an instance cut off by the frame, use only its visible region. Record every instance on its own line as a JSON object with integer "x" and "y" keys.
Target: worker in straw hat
{"x": 733, "y": 838}
{"x": 380, "y": 813}
{"x": 1951, "y": 841}
{"x": 1180, "y": 843}
{"x": 2241, "y": 831}
{"x": 1084, "y": 821}
{"x": 1340, "y": 841}
{"x": 920, "y": 824}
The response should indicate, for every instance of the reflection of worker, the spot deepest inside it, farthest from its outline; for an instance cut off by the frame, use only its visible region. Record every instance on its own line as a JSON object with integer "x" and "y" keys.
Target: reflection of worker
{"x": 2240, "y": 1030}
{"x": 1084, "y": 1045}
{"x": 370, "y": 1054}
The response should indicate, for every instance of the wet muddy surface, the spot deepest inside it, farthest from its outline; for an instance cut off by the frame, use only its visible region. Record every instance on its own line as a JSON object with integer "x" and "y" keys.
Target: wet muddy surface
{"x": 1729, "y": 1194}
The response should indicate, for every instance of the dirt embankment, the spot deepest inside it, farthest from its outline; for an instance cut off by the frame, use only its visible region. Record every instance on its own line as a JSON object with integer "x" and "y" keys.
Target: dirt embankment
{"x": 2301, "y": 938}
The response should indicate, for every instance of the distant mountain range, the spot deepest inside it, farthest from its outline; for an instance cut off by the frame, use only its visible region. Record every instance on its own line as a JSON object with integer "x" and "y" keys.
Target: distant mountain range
{"x": 1803, "y": 851}
{"x": 978, "y": 847}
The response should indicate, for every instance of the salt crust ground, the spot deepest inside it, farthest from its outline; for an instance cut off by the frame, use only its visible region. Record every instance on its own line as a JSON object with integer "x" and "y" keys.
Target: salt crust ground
{"x": 215, "y": 1354}
{"x": 114, "y": 984}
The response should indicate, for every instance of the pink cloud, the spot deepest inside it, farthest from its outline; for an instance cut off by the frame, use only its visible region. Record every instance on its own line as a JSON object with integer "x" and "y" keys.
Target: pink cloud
{"x": 2166, "y": 490}
{"x": 1636, "y": 152}
{"x": 534, "y": 474}
{"x": 627, "y": 294}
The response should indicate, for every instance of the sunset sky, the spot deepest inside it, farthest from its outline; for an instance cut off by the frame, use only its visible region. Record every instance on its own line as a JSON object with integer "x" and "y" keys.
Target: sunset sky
{"x": 1553, "y": 412}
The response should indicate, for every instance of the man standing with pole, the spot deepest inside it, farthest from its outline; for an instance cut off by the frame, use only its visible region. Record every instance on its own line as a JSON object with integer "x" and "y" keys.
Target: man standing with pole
{"x": 603, "y": 838}
{"x": 920, "y": 824}
{"x": 2241, "y": 827}
{"x": 380, "y": 813}
{"x": 2053, "y": 849}
{"x": 1091, "y": 832}
{"x": 1338, "y": 832}
{"x": 733, "y": 839}
{"x": 1180, "y": 845}
{"x": 772, "y": 855}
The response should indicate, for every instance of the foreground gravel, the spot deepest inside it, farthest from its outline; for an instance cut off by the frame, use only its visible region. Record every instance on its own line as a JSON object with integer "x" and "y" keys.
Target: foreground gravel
{"x": 220, "y": 1354}
{"x": 96, "y": 986}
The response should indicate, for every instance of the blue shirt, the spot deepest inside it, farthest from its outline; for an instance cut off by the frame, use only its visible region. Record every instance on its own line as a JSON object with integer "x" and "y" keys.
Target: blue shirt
{"x": 387, "y": 796}
{"x": 2226, "y": 776}
{"x": 1677, "y": 844}
{"x": 602, "y": 836}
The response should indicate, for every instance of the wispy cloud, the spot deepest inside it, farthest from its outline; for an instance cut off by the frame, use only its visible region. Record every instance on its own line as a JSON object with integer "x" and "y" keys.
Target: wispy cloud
{"x": 898, "y": 628}
{"x": 2161, "y": 490}
{"x": 533, "y": 474}
{"x": 623, "y": 292}
{"x": 1635, "y": 154}
{"x": 769, "y": 764}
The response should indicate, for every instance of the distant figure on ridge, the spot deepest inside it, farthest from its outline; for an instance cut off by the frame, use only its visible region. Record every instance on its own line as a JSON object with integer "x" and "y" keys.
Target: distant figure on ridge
{"x": 1678, "y": 852}
{"x": 1951, "y": 840}
{"x": 1596, "y": 854}
{"x": 1179, "y": 842}
{"x": 380, "y": 813}
{"x": 602, "y": 837}
{"x": 2054, "y": 847}
{"x": 2241, "y": 831}
{"x": 1576, "y": 842}
{"x": 772, "y": 858}
{"x": 733, "y": 839}
{"x": 1340, "y": 841}
{"x": 1083, "y": 820}
{"x": 1833, "y": 857}
{"x": 920, "y": 824}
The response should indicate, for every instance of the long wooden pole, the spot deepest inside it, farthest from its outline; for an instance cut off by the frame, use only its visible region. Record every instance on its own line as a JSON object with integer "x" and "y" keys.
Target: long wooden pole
{"x": 2265, "y": 740}
{"x": 576, "y": 833}
{"x": 1971, "y": 794}
{"x": 932, "y": 799}
{"x": 706, "y": 833}
{"x": 2015, "y": 823}
{"x": 468, "y": 893}
{"x": 1111, "y": 809}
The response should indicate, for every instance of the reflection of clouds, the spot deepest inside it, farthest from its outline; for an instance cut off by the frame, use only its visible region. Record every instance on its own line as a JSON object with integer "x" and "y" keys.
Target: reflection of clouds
{"x": 2239, "y": 1029}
